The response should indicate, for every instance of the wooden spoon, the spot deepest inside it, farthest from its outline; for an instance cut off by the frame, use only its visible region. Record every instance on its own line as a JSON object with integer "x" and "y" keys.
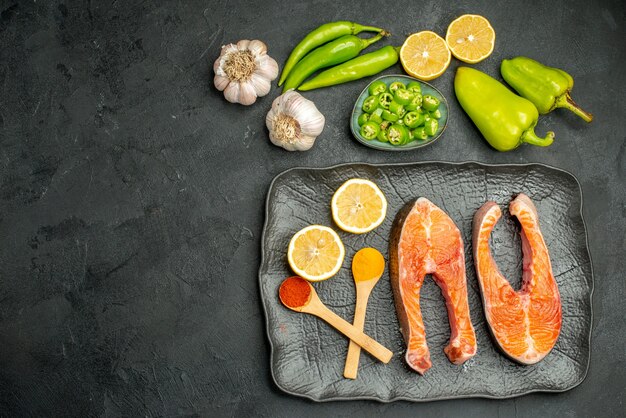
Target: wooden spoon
{"x": 314, "y": 306}
{"x": 368, "y": 266}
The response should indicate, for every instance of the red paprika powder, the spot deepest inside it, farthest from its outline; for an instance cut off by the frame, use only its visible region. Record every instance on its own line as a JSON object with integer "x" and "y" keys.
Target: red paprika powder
{"x": 294, "y": 292}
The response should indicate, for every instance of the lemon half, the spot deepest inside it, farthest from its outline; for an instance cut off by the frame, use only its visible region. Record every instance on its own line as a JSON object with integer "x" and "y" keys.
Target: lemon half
{"x": 358, "y": 206}
{"x": 471, "y": 38}
{"x": 315, "y": 253}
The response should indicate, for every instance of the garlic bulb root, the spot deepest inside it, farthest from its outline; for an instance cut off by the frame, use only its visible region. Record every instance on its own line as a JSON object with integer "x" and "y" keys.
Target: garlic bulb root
{"x": 294, "y": 122}
{"x": 244, "y": 71}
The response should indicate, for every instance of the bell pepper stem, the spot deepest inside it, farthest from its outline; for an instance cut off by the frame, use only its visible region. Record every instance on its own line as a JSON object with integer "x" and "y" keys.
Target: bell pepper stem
{"x": 529, "y": 136}
{"x": 567, "y": 102}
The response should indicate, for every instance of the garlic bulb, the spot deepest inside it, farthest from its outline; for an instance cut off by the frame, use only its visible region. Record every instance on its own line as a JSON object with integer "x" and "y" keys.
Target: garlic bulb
{"x": 244, "y": 71}
{"x": 294, "y": 122}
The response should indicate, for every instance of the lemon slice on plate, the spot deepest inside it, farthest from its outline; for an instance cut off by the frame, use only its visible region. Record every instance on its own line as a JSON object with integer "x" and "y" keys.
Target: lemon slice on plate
{"x": 315, "y": 253}
{"x": 358, "y": 206}
{"x": 471, "y": 38}
{"x": 425, "y": 55}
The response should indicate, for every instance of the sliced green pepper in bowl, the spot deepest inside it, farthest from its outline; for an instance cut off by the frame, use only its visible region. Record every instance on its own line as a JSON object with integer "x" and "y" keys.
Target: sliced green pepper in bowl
{"x": 398, "y": 134}
{"x": 376, "y": 88}
{"x": 370, "y": 104}
{"x": 369, "y": 130}
{"x": 403, "y": 121}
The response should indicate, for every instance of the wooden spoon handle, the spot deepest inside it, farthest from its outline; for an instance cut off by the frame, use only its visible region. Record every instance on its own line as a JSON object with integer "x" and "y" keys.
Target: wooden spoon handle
{"x": 354, "y": 351}
{"x": 367, "y": 343}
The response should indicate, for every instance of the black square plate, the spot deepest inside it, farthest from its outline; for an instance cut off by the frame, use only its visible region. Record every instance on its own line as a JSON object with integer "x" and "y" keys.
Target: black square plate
{"x": 307, "y": 355}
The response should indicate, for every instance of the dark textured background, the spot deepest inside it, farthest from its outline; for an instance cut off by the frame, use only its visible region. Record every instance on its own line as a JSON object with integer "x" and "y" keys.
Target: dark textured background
{"x": 132, "y": 197}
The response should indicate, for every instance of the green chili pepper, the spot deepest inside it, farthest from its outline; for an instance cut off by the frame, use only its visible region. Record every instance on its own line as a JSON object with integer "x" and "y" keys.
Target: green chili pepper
{"x": 376, "y": 87}
{"x": 436, "y": 114}
{"x": 420, "y": 133}
{"x": 397, "y": 108}
{"x": 333, "y": 53}
{"x": 385, "y": 125}
{"x": 382, "y": 135}
{"x": 377, "y": 115}
{"x": 359, "y": 67}
{"x": 411, "y": 137}
{"x": 395, "y": 86}
{"x": 431, "y": 127}
{"x": 397, "y": 134}
{"x": 414, "y": 87}
{"x": 416, "y": 102}
{"x": 392, "y": 117}
{"x": 505, "y": 119}
{"x": 413, "y": 119}
{"x": 430, "y": 103}
{"x": 547, "y": 87}
{"x": 370, "y": 104}
{"x": 320, "y": 36}
{"x": 369, "y": 130}
{"x": 363, "y": 118}
{"x": 403, "y": 96}
{"x": 384, "y": 100}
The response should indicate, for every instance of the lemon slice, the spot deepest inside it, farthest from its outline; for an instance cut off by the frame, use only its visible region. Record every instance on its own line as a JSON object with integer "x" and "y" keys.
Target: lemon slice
{"x": 315, "y": 253}
{"x": 471, "y": 38}
{"x": 358, "y": 206}
{"x": 425, "y": 55}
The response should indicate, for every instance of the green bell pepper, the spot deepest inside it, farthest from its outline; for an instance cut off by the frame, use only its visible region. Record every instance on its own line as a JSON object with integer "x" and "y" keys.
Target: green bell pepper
{"x": 547, "y": 87}
{"x": 505, "y": 119}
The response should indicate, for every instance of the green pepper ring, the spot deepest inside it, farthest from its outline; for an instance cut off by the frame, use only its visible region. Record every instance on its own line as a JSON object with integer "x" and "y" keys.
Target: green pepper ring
{"x": 385, "y": 99}
{"x": 398, "y": 134}
{"x": 403, "y": 96}
{"x": 369, "y": 130}
{"x": 376, "y": 88}
{"x": 370, "y": 104}
{"x": 363, "y": 118}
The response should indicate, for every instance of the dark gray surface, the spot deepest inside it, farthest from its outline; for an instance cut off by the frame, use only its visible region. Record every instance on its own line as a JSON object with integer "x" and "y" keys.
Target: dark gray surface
{"x": 308, "y": 358}
{"x": 131, "y": 198}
